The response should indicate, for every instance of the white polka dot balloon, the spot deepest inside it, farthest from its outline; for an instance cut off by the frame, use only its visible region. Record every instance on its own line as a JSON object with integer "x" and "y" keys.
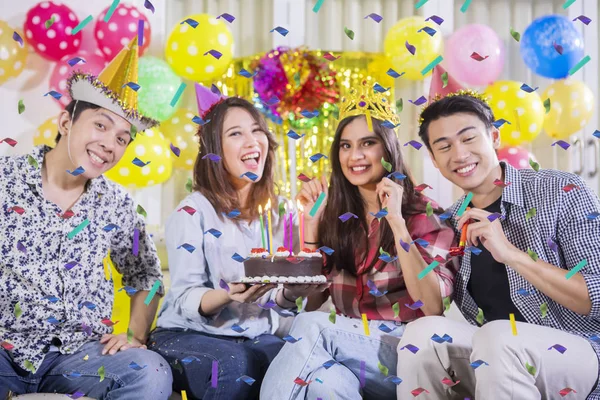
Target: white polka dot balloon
{"x": 55, "y": 42}
{"x": 181, "y": 131}
{"x": 113, "y": 35}
{"x": 523, "y": 111}
{"x": 46, "y": 133}
{"x": 94, "y": 64}
{"x": 152, "y": 149}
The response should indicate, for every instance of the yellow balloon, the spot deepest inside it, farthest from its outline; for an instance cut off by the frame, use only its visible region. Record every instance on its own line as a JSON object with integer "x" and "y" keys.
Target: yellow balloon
{"x": 186, "y": 48}
{"x": 427, "y": 48}
{"x": 181, "y": 131}
{"x": 523, "y": 110}
{"x": 46, "y": 133}
{"x": 571, "y": 108}
{"x": 150, "y": 147}
{"x": 12, "y": 55}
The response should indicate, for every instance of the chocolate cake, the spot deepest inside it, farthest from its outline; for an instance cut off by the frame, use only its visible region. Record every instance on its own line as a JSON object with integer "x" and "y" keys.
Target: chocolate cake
{"x": 283, "y": 267}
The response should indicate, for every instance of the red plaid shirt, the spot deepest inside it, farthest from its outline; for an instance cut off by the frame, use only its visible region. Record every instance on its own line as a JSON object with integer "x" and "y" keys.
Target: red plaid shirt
{"x": 350, "y": 294}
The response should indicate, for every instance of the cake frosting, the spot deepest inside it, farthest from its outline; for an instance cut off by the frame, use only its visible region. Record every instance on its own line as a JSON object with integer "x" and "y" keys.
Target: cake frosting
{"x": 284, "y": 267}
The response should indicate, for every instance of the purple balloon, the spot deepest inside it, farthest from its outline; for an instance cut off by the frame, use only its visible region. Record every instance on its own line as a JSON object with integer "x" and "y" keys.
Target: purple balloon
{"x": 475, "y": 38}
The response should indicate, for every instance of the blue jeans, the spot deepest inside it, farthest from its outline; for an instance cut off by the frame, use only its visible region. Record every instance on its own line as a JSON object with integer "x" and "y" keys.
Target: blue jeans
{"x": 121, "y": 381}
{"x": 344, "y": 342}
{"x": 236, "y": 357}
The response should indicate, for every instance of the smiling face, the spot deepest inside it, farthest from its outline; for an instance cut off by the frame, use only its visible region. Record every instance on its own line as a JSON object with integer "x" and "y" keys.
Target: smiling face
{"x": 360, "y": 154}
{"x": 245, "y": 146}
{"x": 97, "y": 139}
{"x": 463, "y": 149}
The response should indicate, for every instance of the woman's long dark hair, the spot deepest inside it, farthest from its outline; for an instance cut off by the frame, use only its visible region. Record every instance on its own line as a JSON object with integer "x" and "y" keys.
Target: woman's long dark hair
{"x": 345, "y": 238}
{"x": 212, "y": 179}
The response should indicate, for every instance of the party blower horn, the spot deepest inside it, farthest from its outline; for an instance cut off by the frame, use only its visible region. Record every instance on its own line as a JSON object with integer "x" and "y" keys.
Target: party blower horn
{"x": 436, "y": 88}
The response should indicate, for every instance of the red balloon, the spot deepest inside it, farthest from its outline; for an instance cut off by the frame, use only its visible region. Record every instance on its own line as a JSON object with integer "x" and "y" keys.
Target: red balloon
{"x": 115, "y": 34}
{"x": 57, "y": 41}
{"x": 516, "y": 156}
{"x": 95, "y": 63}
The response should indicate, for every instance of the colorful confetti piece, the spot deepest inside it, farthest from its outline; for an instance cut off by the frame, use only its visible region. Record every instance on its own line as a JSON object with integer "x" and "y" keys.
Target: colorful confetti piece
{"x": 152, "y": 292}
{"x": 579, "y": 65}
{"x": 82, "y": 25}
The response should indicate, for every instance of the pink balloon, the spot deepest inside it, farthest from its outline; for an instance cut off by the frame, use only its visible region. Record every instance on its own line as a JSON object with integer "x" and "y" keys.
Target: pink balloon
{"x": 95, "y": 63}
{"x": 459, "y": 49}
{"x": 56, "y": 41}
{"x": 115, "y": 34}
{"x": 516, "y": 156}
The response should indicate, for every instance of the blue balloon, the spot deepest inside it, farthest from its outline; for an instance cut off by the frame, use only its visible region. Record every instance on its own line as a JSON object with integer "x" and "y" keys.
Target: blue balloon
{"x": 538, "y": 46}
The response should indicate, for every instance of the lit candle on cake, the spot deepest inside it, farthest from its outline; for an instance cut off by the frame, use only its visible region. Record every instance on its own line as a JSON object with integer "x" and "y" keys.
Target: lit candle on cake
{"x": 262, "y": 226}
{"x": 300, "y": 223}
{"x": 269, "y": 226}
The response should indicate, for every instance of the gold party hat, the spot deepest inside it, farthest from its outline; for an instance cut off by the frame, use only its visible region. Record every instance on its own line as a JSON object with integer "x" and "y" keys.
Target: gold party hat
{"x": 462, "y": 92}
{"x": 364, "y": 100}
{"x": 110, "y": 90}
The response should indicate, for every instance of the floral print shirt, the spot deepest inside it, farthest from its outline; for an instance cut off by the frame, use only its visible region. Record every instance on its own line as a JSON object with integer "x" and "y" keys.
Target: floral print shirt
{"x": 54, "y": 287}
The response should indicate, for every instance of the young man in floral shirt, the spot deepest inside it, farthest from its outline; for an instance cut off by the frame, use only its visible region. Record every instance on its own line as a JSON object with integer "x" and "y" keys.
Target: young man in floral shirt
{"x": 59, "y": 218}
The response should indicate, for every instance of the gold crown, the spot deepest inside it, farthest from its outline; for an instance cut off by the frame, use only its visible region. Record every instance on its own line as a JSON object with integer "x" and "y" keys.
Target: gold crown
{"x": 364, "y": 100}
{"x": 462, "y": 92}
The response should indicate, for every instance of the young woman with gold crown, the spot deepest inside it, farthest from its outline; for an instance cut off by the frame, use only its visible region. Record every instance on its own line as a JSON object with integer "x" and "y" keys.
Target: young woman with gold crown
{"x": 385, "y": 236}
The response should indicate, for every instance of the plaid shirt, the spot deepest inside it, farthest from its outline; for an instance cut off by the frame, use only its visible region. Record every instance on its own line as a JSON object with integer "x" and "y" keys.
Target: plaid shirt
{"x": 561, "y": 216}
{"x": 350, "y": 294}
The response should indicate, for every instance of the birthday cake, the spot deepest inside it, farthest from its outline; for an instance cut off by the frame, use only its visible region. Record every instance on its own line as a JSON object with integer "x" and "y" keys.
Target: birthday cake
{"x": 284, "y": 267}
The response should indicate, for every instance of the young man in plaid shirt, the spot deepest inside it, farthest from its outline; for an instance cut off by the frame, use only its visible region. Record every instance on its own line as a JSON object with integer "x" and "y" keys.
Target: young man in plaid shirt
{"x": 527, "y": 232}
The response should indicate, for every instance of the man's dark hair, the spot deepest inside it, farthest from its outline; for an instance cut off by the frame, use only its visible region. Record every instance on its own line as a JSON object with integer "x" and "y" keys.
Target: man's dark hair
{"x": 81, "y": 107}
{"x": 454, "y": 105}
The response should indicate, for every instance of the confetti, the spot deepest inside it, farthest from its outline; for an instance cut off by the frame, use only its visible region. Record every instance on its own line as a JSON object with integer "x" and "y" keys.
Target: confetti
{"x": 443, "y": 339}
{"x": 238, "y": 329}
{"x": 397, "y": 175}
{"x": 246, "y": 379}
{"x": 82, "y": 24}
{"x": 214, "y": 378}
{"x": 212, "y": 157}
{"x": 227, "y": 17}
{"x": 494, "y": 216}
{"x": 380, "y": 89}
{"x": 547, "y": 105}
{"x": 579, "y": 65}
{"x": 330, "y": 57}
{"x": 16, "y": 209}
{"x": 444, "y": 79}
{"x": 140, "y": 32}
{"x": 530, "y": 368}
{"x": 363, "y": 367}
{"x": 365, "y": 324}
{"x": 558, "y": 347}
{"x": 498, "y": 123}
{"x": 176, "y": 150}
{"x": 513, "y": 324}
{"x": 129, "y": 335}
{"x": 450, "y": 382}
{"x": 446, "y": 303}
{"x": 281, "y": 30}
{"x": 386, "y": 165}
{"x": 523, "y": 292}
{"x": 480, "y": 317}
{"x": 394, "y": 379}
{"x": 564, "y": 145}
{"x": 247, "y": 74}
{"x": 427, "y": 270}
{"x": 132, "y": 85}
{"x": 78, "y": 229}
{"x": 558, "y": 48}
{"x": 250, "y": 175}
{"x": 544, "y": 309}
{"x": 190, "y": 22}
{"x": 188, "y": 185}
{"x": 108, "y": 322}
{"x": 465, "y": 6}
{"x": 532, "y": 254}
{"x": 567, "y": 4}
{"x": 17, "y": 38}
{"x": 291, "y": 339}
{"x": 415, "y": 306}
{"x": 72, "y": 264}
{"x": 399, "y": 105}
{"x": 149, "y": 6}
{"x": 78, "y": 171}
{"x": 139, "y": 163}
{"x": 292, "y": 134}
{"x": 478, "y": 363}
{"x": 389, "y": 124}
{"x": 51, "y": 299}
{"x": 299, "y": 303}
{"x": 432, "y": 65}
{"x": 576, "y": 269}
{"x": 21, "y": 107}
{"x": 583, "y": 19}
{"x": 567, "y": 390}
{"x": 420, "y": 4}
{"x": 152, "y": 292}
{"x": 233, "y": 214}
{"x": 349, "y": 33}
{"x": 380, "y": 214}
{"x": 29, "y": 366}
{"x": 464, "y": 204}
{"x": 516, "y": 35}
{"x": 129, "y": 290}
{"x": 190, "y": 249}
{"x": 17, "y": 310}
{"x": 200, "y": 121}
{"x": 384, "y": 328}
{"x": 303, "y": 178}
{"x": 422, "y": 186}
{"x": 593, "y": 216}
{"x": 420, "y": 101}
{"x": 411, "y": 49}
{"x": 475, "y": 56}
{"x": 111, "y": 10}
{"x": 332, "y": 315}
{"x": 530, "y": 214}
{"x": 498, "y": 182}
{"x": 346, "y": 216}
{"x": 474, "y": 250}
{"x": 110, "y": 227}
{"x": 412, "y": 348}
{"x": 178, "y": 94}
{"x": 417, "y": 145}
{"x": 436, "y": 19}
{"x": 54, "y": 94}
{"x": 134, "y": 366}
{"x": 375, "y": 17}
{"x": 317, "y": 6}
{"x": 430, "y": 31}
{"x": 238, "y": 258}
{"x": 374, "y": 290}
{"x": 570, "y": 187}
{"x": 418, "y": 391}
{"x": 327, "y": 250}
{"x": 317, "y": 204}
{"x": 268, "y": 305}
{"x": 526, "y": 88}
{"x": 214, "y": 232}
{"x": 316, "y": 157}
{"x": 140, "y": 210}
{"x": 553, "y": 246}
{"x": 534, "y": 165}
{"x": 301, "y": 382}
{"x": 393, "y": 73}
{"x": 189, "y": 359}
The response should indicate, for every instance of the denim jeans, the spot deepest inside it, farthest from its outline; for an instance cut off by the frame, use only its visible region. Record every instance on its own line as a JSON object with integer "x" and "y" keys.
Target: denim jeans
{"x": 236, "y": 357}
{"x": 355, "y": 373}
{"x": 69, "y": 373}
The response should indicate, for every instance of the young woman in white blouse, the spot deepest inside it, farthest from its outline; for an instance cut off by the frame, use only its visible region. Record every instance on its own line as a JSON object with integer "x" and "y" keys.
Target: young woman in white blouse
{"x": 205, "y": 326}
